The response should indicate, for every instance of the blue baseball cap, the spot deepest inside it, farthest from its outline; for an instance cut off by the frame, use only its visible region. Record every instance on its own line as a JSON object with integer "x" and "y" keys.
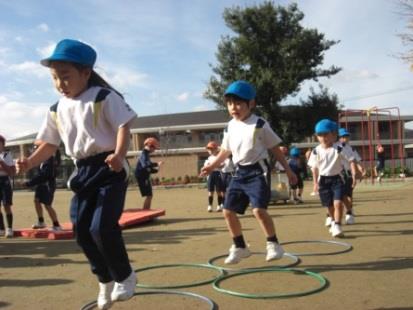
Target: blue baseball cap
{"x": 242, "y": 89}
{"x": 295, "y": 152}
{"x": 342, "y": 132}
{"x": 325, "y": 126}
{"x": 72, "y": 51}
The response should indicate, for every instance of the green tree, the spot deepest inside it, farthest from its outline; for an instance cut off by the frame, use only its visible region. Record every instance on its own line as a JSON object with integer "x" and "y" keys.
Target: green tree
{"x": 298, "y": 121}
{"x": 273, "y": 51}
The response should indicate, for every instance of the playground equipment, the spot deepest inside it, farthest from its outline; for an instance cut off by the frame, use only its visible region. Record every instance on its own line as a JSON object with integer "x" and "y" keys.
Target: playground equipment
{"x": 374, "y": 127}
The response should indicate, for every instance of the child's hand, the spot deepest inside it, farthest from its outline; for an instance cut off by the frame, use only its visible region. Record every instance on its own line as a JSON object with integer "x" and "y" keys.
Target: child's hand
{"x": 23, "y": 165}
{"x": 160, "y": 163}
{"x": 115, "y": 162}
{"x": 206, "y": 170}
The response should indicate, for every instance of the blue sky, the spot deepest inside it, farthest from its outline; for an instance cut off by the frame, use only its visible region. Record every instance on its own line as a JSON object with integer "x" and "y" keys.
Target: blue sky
{"x": 158, "y": 52}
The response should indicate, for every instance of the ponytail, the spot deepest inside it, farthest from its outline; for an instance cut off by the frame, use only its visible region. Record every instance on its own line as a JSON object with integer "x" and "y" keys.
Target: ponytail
{"x": 96, "y": 80}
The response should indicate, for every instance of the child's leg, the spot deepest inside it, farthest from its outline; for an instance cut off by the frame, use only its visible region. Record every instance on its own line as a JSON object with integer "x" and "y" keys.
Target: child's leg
{"x": 274, "y": 249}
{"x": 265, "y": 220}
{"x": 147, "y": 203}
{"x": 39, "y": 210}
{"x": 338, "y": 211}
{"x": 53, "y": 215}
{"x": 233, "y": 223}
{"x": 1, "y": 219}
{"x": 9, "y": 215}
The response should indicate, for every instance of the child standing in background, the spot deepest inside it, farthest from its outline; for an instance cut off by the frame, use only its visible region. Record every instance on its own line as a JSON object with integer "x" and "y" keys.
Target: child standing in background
{"x": 93, "y": 121}
{"x": 296, "y": 190}
{"x": 214, "y": 180}
{"x": 45, "y": 185}
{"x": 7, "y": 170}
{"x": 248, "y": 139}
{"x": 144, "y": 169}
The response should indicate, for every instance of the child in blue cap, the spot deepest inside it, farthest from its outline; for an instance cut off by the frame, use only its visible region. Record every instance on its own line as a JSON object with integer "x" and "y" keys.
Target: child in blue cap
{"x": 344, "y": 142}
{"x": 93, "y": 121}
{"x": 326, "y": 165}
{"x": 248, "y": 138}
{"x": 296, "y": 190}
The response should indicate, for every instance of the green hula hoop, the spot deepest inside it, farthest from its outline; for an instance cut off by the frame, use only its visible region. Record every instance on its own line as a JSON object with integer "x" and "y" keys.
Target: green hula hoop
{"x": 347, "y": 247}
{"x": 295, "y": 261}
{"x": 323, "y": 284}
{"x": 143, "y": 285}
{"x": 210, "y": 302}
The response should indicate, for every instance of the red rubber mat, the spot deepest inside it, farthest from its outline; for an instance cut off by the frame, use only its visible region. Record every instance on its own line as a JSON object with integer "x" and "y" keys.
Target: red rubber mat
{"x": 129, "y": 217}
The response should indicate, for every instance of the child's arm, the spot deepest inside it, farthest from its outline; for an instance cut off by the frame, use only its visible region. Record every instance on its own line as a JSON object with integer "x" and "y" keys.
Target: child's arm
{"x": 42, "y": 153}
{"x": 115, "y": 160}
{"x": 353, "y": 167}
{"x": 315, "y": 179}
{"x": 222, "y": 155}
{"x": 279, "y": 156}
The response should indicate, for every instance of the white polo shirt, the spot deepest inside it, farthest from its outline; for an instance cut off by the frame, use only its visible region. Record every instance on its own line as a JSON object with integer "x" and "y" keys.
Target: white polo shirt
{"x": 8, "y": 160}
{"x": 349, "y": 149}
{"x": 86, "y": 128}
{"x": 329, "y": 161}
{"x": 247, "y": 143}
{"x": 209, "y": 160}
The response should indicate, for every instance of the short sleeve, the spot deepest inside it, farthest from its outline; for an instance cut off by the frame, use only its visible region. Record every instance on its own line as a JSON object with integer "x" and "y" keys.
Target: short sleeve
{"x": 117, "y": 112}
{"x": 225, "y": 141}
{"x": 48, "y": 131}
{"x": 312, "y": 161}
{"x": 8, "y": 160}
{"x": 270, "y": 138}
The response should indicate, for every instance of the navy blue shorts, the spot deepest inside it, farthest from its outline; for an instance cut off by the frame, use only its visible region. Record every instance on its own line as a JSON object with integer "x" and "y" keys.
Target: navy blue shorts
{"x": 6, "y": 191}
{"x": 248, "y": 185}
{"x": 226, "y": 179}
{"x": 145, "y": 186}
{"x": 215, "y": 182}
{"x": 44, "y": 193}
{"x": 330, "y": 188}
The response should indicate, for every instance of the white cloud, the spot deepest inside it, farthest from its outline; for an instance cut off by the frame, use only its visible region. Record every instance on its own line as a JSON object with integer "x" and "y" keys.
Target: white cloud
{"x": 123, "y": 78}
{"x": 355, "y": 75}
{"x": 43, "y": 27}
{"x": 18, "y": 119}
{"x": 183, "y": 97}
{"x": 47, "y": 50}
{"x": 28, "y": 67}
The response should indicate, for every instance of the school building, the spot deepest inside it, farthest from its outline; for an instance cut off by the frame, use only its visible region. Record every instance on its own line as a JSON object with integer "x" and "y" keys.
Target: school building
{"x": 183, "y": 137}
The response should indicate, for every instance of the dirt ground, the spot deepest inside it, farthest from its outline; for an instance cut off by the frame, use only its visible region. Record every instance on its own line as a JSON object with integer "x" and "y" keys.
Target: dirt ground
{"x": 376, "y": 274}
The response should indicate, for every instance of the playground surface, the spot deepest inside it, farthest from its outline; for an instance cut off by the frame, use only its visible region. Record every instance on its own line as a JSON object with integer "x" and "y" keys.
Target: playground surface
{"x": 377, "y": 274}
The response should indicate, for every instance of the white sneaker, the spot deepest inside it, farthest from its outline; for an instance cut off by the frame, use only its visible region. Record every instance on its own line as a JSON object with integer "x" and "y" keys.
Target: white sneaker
{"x": 219, "y": 208}
{"x": 329, "y": 220}
{"x": 56, "y": 228}
{"x": 9, "y": 233}
{"x": 336, "y": 230}
{"x": 236, "y": 254}
{"x": 350, "y": 219}
{"x": 209, "y": 208}
{"x": 125, "y": 289}
{"x": 39, "y": 225}
{"x": 105, "y": 290}
{"x": 274, "y": 251}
